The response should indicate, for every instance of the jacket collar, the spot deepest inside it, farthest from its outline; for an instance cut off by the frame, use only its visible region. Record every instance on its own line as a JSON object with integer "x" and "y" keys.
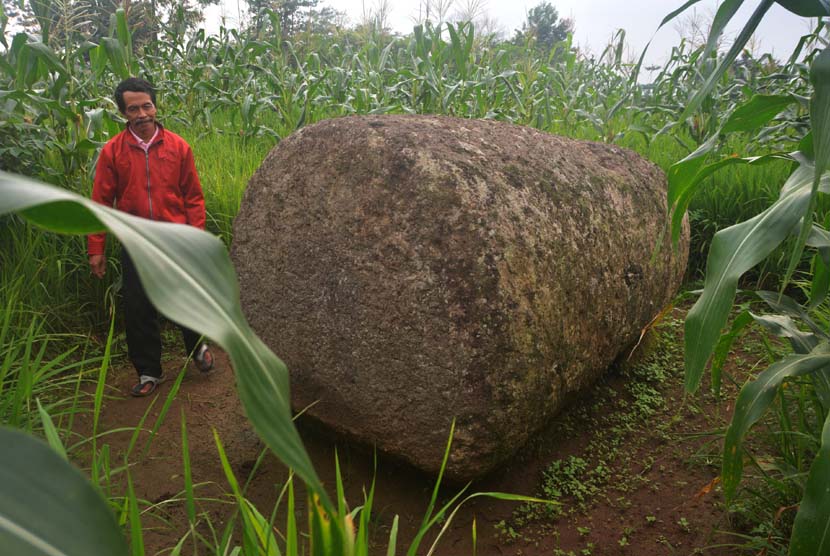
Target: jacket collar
{"x": 130, "y": 138}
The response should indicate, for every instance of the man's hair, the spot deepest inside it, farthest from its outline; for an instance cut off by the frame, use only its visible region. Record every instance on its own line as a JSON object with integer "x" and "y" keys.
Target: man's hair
{"x": 133, "y": 85}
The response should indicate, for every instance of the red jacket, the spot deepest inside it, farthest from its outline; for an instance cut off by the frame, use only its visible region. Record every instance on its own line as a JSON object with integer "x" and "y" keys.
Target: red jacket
{"x": 161, "y": 184}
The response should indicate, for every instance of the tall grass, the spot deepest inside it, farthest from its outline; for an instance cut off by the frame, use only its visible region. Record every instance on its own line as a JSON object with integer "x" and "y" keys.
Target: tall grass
{"x": 225, "y": 162}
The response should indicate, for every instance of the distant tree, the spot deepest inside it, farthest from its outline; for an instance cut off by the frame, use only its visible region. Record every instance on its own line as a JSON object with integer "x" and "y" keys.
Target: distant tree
{"x": 322, "y": 27}
{"x": 543, "y": 27}
{"x": 325, "y": 21}
{"x": 292, "y": 15}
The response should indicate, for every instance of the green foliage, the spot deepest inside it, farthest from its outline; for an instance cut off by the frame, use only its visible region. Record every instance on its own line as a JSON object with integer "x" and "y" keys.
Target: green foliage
{"x": 44, "y": 498}
{"x": 738, "y": 248}
{"x": 543, "y": 28}
{"x": 733, "y": 252}
{"x": 813, "y": 519}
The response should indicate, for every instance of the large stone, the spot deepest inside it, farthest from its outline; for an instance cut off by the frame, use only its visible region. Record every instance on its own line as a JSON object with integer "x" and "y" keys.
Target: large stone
{"x": 412, "y": 270}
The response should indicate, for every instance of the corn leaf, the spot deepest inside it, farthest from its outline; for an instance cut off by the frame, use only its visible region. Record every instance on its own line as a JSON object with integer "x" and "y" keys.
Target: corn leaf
{"x": 189, "y": 277}
{"x": 820, "y": 110}
{"x": 736, "y": 48}
{"x": 784, "y": 327}
{"x": 820, "y": 284}
{"x": 48, "y": 56}
{"x": 811, "y": 530}
{"x": 724, "y": 346}
{"x": 686, "y": 178}
{"x": 44, "y": 497}
{"x": 117, "y": 56}
{"x": 807, "y": 8}
{"x": 734, "y": 251}
{"x": 724, "y": 15}
{"x": 786, "y": 305}
{"x": 753, "y": 401}
{"x": 636, "y": 71}
{"x": 122, "y": 31}
{"x": 820, "y": 123}
{"x": 758, "y": 111}
{"x": 819, "y": 238}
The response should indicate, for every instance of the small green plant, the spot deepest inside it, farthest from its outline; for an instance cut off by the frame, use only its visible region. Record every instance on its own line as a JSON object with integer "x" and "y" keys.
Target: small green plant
{"x": 507, "y": 532}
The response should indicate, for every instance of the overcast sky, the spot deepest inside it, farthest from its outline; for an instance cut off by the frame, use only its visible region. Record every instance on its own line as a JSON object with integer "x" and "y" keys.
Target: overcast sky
{"x": 595, "y": 20}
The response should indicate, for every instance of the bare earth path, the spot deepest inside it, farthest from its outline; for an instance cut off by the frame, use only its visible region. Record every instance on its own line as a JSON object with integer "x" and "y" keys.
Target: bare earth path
{"x": 632, "y": 467}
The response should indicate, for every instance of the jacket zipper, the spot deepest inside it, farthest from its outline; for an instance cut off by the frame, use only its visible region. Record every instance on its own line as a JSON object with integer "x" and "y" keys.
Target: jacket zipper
{"x": 147, "y": 168}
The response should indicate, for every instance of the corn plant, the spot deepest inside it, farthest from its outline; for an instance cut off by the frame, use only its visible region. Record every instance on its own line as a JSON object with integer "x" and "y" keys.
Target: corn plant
{"x": 738, "y": 248}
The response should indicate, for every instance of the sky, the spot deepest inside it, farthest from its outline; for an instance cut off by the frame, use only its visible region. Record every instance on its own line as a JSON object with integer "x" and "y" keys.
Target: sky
{"x": 595, "y": 21}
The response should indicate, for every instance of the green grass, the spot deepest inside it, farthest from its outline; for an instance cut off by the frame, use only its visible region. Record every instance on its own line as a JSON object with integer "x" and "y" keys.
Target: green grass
{"x": 225, "y": 161}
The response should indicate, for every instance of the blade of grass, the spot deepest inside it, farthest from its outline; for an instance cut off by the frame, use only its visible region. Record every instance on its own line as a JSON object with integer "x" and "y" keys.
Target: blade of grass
{"x": 136, "y": 532}
{"x": 168, "y": 401}
{"x": 190, "y": 504}
{"x": 51, "y": 432}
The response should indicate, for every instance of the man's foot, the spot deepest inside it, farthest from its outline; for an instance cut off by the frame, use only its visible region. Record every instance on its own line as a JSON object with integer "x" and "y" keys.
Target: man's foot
{"x": 146, "y": 385}
{"x": 203, "y": 359}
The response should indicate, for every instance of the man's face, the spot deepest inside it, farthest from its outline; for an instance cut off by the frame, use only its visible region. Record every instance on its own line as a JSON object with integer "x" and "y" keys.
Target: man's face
{"x": 140, "y": 112}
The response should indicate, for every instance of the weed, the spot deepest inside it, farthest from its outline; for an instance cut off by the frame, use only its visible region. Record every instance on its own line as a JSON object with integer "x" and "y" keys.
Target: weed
{"x": 507, "y": 532}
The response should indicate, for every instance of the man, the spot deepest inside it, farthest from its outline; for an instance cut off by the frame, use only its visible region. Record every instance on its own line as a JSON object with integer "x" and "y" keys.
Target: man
{"x": 149, "y": 172}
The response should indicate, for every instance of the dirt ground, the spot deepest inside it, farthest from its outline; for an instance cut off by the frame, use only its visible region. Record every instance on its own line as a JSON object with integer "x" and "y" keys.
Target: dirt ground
{"x": 635, "y": 467}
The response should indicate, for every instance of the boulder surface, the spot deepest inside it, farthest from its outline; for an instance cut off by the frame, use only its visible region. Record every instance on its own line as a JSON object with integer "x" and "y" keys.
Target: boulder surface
{"x": 415, "y": 270}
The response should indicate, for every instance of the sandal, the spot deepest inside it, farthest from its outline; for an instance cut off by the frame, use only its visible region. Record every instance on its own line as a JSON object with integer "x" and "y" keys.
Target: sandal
{"x": 146, "y": 385}
{"x": 203, "y": 359}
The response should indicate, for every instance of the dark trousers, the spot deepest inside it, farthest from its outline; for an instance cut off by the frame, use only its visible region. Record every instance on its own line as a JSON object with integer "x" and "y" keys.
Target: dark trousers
{"x": 143, "y": 328}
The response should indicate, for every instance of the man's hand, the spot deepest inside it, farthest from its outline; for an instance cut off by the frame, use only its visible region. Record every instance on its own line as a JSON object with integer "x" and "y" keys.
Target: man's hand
{"x": 98, "y": 264}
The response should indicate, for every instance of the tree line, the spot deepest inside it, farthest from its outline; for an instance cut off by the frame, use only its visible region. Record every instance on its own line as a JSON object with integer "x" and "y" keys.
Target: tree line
{"x": 62, "y": 22}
